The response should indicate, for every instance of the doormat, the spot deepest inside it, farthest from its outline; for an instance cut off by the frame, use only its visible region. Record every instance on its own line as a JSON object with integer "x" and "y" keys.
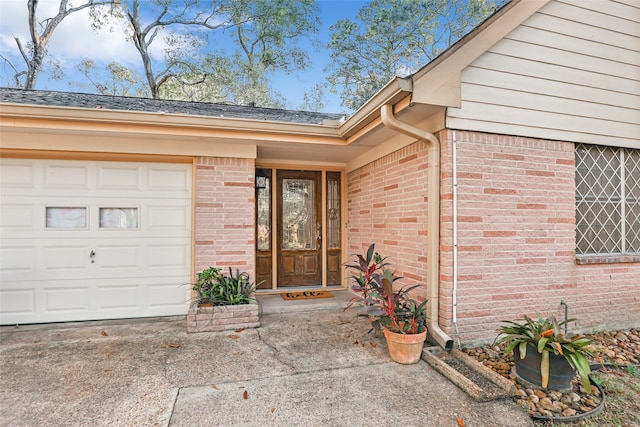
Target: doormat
{"x": 306, "y": 295}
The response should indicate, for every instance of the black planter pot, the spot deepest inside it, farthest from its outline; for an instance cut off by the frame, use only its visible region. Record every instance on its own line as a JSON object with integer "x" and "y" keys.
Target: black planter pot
{"x": 561, "y": 373}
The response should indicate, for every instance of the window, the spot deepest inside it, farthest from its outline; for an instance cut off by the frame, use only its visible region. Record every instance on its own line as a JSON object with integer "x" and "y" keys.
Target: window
{"x": 66, "y": 217}
{"x": 118, "y": 217}
{"x": 607, "y": 200}
{"x": 263, "y": 210}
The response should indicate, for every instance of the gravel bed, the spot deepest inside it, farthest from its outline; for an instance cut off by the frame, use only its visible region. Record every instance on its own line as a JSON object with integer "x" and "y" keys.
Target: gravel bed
{"x": 480, "y": 380}
{"x": 619, "y": 348}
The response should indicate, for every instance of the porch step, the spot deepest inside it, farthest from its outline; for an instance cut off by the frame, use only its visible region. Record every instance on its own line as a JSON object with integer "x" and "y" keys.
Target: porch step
{"x": 275, "y": 304}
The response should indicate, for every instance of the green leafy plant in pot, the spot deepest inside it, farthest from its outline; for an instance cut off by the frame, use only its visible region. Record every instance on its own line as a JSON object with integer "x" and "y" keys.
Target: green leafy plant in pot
{"x": 215, "y": 288}
{"x": 560, "y": 354}
{"x": 401, "y": 318}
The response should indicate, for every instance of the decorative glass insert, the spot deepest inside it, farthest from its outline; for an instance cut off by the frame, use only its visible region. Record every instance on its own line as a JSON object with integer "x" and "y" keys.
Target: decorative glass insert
{"x": 263, "y": 197}
{"x": 298, "y": 214}
{"x": 333, "y": 210}
{"x": 118, "y": 217}
{"x": 66, "y": 217}
{"x": 607, "y": 200}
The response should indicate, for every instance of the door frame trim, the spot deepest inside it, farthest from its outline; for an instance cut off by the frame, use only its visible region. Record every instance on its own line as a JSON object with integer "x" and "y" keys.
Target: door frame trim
{"x": 323, "y": 169}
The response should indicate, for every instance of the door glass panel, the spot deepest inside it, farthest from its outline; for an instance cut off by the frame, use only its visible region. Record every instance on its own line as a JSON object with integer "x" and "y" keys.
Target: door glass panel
{"x": 298, "y": 214}
{"x": 118, "y": 217}
{"x": 333, "y": 213}
{"x": 263, "y": 186}
{"x": 66, "y": 217}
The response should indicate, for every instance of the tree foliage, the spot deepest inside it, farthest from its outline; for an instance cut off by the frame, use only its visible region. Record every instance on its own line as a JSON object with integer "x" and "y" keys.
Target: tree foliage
{"x": 189, "y": 16}
{"x": 395, "y": 38}
{"x": 40, "y": 31}
{"x": 313, "y": 99}
{"x": 115, "y": 79}
{"x": 267, "y": 35}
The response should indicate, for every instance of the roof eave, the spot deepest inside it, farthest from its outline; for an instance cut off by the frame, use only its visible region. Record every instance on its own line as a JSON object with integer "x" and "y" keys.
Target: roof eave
{"x": 392, "y": 93}
{"x": 167, "y": 123}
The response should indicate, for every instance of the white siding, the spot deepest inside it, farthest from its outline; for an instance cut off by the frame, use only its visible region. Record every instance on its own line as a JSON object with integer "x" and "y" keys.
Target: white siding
{"x": 569, "y": 72}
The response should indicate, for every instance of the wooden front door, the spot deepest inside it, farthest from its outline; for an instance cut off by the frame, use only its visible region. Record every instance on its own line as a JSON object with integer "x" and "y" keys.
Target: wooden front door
{"x": 299, "y": 223}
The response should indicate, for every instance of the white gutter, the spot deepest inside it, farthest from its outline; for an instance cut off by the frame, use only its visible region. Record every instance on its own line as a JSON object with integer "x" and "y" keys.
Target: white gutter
{"x": 433, "y": 221}
{"x": 455, "y": 236}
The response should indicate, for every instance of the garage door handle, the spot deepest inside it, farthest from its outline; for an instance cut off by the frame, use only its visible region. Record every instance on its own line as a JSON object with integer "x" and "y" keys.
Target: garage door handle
{"x": 92, "y": 254}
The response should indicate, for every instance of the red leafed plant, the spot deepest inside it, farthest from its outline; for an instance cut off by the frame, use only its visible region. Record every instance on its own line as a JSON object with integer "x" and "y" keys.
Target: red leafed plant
{"x": 384, "y": 307}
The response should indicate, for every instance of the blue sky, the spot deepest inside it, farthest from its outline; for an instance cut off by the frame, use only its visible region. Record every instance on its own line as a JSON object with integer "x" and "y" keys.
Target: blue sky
{"x": 74, "y": 40}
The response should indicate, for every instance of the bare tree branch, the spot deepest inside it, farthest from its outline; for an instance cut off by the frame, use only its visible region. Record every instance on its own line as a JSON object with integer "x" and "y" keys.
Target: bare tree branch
{"x": 34, "y": 59}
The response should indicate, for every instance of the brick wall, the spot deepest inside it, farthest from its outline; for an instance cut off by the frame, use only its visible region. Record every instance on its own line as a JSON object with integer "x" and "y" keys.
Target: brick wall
{"x": 224, "y": 213}
{"x": 516, "y": 240}
{"x": 387, "y": 205}
{"x": 516, "y": 233}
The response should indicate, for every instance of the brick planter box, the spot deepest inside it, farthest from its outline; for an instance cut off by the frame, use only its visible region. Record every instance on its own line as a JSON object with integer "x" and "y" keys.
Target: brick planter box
{"x": 223, "y": 318}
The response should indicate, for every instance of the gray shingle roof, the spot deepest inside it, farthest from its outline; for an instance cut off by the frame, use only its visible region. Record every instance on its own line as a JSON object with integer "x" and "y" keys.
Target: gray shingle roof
{"x": 123, "y": 103}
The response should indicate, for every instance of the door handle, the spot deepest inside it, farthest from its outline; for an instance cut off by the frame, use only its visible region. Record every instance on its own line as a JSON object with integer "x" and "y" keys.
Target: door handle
{"x": 92, "y": 255}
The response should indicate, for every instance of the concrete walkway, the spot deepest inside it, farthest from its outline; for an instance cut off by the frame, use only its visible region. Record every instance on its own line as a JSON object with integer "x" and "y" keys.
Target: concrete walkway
{"x": 309, "y": 368}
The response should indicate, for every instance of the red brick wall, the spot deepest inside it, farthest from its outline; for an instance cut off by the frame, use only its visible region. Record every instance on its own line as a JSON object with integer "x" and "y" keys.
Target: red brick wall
{"x": 387, "y": 205}
{"x": 516, "y": 240}
{"x": 224, "y": 213}
{"x": 516, "y": 233}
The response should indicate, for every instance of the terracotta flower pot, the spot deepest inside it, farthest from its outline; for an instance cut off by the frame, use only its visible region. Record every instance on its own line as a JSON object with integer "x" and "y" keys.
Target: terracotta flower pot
{"x": 405, "y": 348}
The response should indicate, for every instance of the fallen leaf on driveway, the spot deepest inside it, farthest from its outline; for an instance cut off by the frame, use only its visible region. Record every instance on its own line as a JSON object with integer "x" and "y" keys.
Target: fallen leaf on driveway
{"x": 174, "y": 345}
{"x": 104, "y": 334}
{"x": 235, "y": 337}
{"x": 239, "y": 330}
{"x": 273, "y": 410}
{"x": 108, "y": 370}
{"x": 373, "y": 344}
{"x": 245, "y": 395}
{"x": 356, "y": 342}
{"x": 214, "y": 387}
{"x": 460, "y": 422}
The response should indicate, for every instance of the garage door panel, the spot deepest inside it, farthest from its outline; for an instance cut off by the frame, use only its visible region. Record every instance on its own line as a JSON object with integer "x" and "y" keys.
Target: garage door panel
{"x": 163, "y": 217}
{"x": 21, "y": 175}
{"x": 167, "y": 178}
{"x": 67, "y": 299}
{"x": 119, "y": 178}
{"x": 18, "y": 260}
{"x": 167, "y": 294}
{"x": 17, "y": 218}
{"x": 122, "y": 257}
{"x": 118, "y": 297}
{"x": 66, "y": 176}
{"x": 142, "y": 248}
{"x": 167, "y": 256}
{"x": 65, "y": 258}
{"x": 17, "y": 302}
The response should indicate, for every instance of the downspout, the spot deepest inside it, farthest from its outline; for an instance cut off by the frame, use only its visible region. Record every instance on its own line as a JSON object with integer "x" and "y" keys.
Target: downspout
{"x": 433, "y": 222}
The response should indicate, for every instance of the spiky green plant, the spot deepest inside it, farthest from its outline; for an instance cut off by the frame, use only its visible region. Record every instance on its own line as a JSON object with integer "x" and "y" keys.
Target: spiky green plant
{"x": 217, "y": 288}
{"x": 545, "y": 335}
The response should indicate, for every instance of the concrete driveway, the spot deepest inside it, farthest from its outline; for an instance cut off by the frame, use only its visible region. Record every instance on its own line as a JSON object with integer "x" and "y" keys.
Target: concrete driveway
{"x": 317, "y": 368}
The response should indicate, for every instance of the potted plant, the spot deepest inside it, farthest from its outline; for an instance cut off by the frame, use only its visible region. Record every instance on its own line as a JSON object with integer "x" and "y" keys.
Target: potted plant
{"x": 544, "y": 356}
{"x": 222, "y": 302}
{"x": 402, "y": 319}
{"x": 206, "y": 281}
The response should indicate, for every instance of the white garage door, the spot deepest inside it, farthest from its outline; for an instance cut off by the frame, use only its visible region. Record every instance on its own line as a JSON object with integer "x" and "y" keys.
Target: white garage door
{"x": 87, "y": 240}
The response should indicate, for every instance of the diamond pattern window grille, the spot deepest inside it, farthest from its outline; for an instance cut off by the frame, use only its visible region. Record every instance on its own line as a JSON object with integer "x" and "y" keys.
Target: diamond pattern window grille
{"x": 607, "y": 200}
